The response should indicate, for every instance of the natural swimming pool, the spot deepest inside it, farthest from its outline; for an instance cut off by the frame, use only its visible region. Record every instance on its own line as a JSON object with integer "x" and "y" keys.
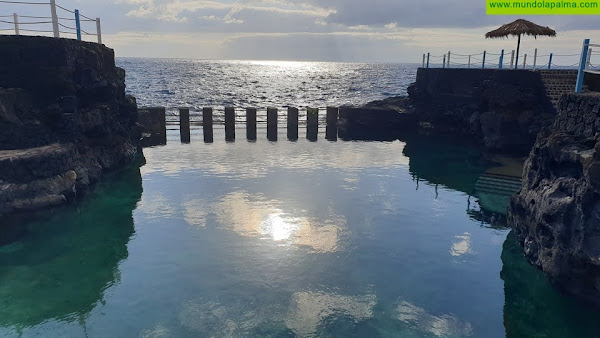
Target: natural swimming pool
{"x": 277, "y": 239}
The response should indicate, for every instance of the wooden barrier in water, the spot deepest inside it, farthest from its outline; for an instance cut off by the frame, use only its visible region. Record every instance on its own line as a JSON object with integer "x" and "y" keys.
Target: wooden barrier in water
{"x": 312, "y": 124}
{"x": 184, "y": 124}
{"x": 272, "y": 124}
{"x": 292, "y": 124}
{"x": 153, "y": 121}
{"x": 207, "y": 124}
{"x": 331, "y": 130}
{"x": 251, "y": 124}
{"x": 229, "y": 124}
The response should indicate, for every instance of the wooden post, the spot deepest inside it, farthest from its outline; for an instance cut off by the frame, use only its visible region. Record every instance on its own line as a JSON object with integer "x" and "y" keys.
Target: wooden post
{"x": 54, "y": 18}
{"x": 423, "y": 64}
{"x": 184, "y": 124}
{"x": 251, "y": 124}
{"x": 98, "y": 31}
{"x": 331, "y": 130}
{"x": 501, "y": 62}
{"x": 512, "y": 59}
{"x": 16, "y": 21}
{"x": 483, "y": 62}
{"x": 581, "y": 72}
{"x": 534, "y": 58}
{"x": 272, "y": 124}
{"x": 444, "y": 62}
{"x": 229, "y": 124}
{"x": 427, "y": 60}
{"x": 524, "y": 61}
{"x": 292, "y": 124}
{"x": 77, "y": 25}
{"x": 469, "y": 63}
{"x": 312, "y": 123}
{"x": 448, "y": 63}
{"x": 207, "y": 124}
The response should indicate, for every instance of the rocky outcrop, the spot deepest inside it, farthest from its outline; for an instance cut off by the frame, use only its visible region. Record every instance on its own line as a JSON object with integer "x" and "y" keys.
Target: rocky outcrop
{"x": 64, "y": 119}
{"x": 378, "y": 120}
{"x": 503, "y": 110}
{"x": 556, "y": 216}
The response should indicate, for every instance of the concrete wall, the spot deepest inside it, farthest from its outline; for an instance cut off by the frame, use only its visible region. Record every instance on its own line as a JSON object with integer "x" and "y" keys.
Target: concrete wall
{"x": 503, "y": 109}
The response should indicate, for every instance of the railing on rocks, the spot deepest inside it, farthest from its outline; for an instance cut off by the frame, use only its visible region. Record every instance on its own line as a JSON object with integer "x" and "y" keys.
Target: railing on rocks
{"x": 585, "y": 64}
{"x": 36, "y": 24}
{"x": 504, "y": 60}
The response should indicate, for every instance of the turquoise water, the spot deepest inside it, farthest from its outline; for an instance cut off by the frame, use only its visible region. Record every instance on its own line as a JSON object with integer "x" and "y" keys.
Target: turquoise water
{"x": 366, "y": 239}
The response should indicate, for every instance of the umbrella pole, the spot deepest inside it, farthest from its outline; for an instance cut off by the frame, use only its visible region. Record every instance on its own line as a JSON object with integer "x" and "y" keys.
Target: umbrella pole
{"x": 518, "y": 46}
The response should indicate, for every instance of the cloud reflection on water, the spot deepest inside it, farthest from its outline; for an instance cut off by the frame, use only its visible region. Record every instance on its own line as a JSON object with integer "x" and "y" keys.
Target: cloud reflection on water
{"x": 256, "y": 216}
{"x": 441, "y": 326}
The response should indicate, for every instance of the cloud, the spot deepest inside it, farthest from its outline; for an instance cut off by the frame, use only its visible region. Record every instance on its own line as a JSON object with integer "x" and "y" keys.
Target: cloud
{"x": 326, "y": 30}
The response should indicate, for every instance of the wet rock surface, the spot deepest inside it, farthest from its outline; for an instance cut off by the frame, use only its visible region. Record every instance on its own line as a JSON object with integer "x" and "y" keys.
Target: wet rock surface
{"x": 556, "y": 216}
{"x": 64, "y": 119}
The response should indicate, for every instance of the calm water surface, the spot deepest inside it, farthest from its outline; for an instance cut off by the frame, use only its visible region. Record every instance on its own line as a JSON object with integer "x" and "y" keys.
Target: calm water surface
{"x": 366, "y": 239}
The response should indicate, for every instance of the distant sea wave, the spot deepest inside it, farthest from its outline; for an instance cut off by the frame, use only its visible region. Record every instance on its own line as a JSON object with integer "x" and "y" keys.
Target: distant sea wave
{"x": 174, "y": 83}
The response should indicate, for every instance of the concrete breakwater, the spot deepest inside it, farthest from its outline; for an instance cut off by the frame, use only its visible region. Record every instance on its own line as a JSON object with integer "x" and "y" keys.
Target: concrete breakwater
{"x": 64, "y": 119}
{"x": 503, "y": 110}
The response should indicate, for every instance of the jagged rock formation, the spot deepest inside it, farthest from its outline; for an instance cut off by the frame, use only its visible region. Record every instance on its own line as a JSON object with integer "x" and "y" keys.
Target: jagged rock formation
{"x": 556, "y": 216}
{"x": 64, "y": 119}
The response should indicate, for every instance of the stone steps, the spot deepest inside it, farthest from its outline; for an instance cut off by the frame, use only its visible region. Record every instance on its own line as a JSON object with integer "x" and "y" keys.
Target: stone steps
{"x": 557, "y": 83}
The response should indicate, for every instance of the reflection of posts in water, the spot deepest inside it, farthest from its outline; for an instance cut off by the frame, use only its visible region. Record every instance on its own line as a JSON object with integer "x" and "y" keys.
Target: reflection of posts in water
{"x": 312, "y": 123}
{"x": 207, "y": 124}
{"x": 251, "y": 124}
{"x": 331, "y": 131}
{"x": 292, "y": 124}
{"x": 184, "y": 124}
{"x": 272, "y": 124}
{"x": 229, "y": 124}
{"x": 69, "y": 286}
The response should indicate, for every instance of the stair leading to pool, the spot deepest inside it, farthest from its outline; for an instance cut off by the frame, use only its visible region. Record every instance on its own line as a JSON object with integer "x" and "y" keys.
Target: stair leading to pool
{"x": 494, "y": 191}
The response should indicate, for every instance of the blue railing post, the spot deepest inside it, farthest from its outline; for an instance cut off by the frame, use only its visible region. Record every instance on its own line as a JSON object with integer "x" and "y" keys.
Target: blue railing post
{"x": 550, "y": 61}
{"x": 444, "y": 62}
{"x": 77, "y": 25}
{"x": 501, "y": 59}
{"x": 483, "y": 62}
{"x": 427, "y": 60}
{"x": 582, "y": 62}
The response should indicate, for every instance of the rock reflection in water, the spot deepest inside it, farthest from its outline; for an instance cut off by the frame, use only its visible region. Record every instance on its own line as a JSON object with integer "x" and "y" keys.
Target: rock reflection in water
{"x": 61, "y": 269}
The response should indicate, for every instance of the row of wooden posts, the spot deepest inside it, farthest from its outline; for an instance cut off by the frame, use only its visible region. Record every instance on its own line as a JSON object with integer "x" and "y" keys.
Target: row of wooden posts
{"x": 312, "y": 124}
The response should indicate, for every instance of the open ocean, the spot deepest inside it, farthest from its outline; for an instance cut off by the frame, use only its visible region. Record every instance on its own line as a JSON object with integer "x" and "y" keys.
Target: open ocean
{"x": 174, "y": 83}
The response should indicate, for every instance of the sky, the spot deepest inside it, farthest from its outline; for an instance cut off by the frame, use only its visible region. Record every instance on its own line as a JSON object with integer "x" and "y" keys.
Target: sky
{"x": 313, "y": 30}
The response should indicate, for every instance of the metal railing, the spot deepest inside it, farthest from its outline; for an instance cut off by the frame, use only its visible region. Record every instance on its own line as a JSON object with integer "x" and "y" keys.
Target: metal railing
{"x": 60, "y": 24}
{"x": 500, "y": 60}
{"x": 585, "y": 64}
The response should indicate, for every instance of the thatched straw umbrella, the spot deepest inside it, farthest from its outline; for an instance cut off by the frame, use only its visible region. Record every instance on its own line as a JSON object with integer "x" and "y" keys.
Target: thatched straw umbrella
{"x": 520, "y": 27}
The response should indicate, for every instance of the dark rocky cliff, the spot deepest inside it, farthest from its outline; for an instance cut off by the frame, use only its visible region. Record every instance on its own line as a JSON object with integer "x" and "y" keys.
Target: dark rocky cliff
{"x": 64, "y": 119}
{"x": 556, "y": 216}
{"x": 504, "y": 110}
